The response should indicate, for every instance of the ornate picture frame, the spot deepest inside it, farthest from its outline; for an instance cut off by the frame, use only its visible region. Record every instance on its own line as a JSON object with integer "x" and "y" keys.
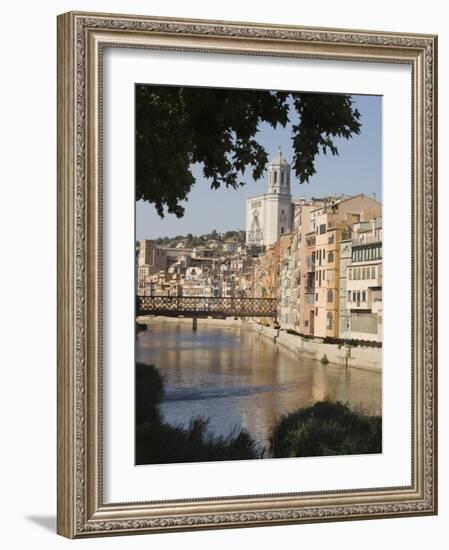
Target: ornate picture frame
{"x": 82, "y": 38}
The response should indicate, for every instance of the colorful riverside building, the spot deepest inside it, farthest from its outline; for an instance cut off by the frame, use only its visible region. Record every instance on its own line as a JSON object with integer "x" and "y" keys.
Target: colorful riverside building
{"x": 361, "y": 308}
{"x": 151, "y": 260}
{"x": 309, "y": 263}
{"x": 329, "y": 221}
{"x": 285, "y": 282}
{"x": 297, "y": 259}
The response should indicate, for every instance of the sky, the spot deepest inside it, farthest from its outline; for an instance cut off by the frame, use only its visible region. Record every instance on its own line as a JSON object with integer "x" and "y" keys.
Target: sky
{"x": 357, "y": 169}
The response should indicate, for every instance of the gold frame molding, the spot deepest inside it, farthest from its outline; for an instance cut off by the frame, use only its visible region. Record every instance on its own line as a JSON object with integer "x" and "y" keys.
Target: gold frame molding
{"x": 81, "y": 38}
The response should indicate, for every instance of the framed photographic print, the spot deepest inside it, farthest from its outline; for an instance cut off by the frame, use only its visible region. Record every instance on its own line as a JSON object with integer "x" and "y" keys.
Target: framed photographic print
{"x": 246, "y": 274}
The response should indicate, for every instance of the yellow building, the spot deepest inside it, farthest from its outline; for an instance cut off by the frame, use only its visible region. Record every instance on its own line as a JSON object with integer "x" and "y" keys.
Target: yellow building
{"x": 328, "y": 221}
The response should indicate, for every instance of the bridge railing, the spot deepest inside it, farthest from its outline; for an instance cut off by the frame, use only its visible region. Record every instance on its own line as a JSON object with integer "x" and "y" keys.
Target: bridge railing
{"x": 205, "y": 305}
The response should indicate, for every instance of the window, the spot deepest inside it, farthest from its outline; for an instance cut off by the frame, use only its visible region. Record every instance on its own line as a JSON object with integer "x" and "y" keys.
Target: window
{"x": 363, "y": 273}
{"x": 275, "y": 177}
{"x": 354, "y": 296}
{"x": 322, "y": 229}
{"x": 324, "y": 254}
{"x": 330, "y": 296}
{"x": 316, "y": 297}
{"x": 330, "y": 257}
{"x": 349, "y": 295}
{"x": 316, "y": 312}
{"x": 330, "y": 320}
{"x": 282, "y": 230}
{"x": 350, "y": 274}
{"x": 373, "y": 272}
{"x": 364, "y": 296}
{"x": 282, "y": 178}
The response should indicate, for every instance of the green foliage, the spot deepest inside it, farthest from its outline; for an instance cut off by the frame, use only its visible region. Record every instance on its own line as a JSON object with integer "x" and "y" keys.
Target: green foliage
{"x": 159, "y": 442}
{"x": 177, "y": 127}
{"x": 326, "y": 428}
{"x": 149, "y": 389}
{"x": 200, "y": 240}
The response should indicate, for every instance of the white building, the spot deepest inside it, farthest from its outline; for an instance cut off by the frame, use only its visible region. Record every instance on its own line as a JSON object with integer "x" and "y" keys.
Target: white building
{"x": 269, "y": 216}
{"x": 364, "y": 282}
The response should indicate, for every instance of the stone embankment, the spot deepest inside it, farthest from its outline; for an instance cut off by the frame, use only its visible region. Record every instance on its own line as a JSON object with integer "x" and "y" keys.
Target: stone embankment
{"x": 354, "y": 356}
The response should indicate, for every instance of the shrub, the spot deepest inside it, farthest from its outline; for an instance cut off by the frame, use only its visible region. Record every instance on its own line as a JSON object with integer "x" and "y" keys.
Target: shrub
{"x": 160, "y": 442}
{"x": 149, "y": 390}
{"x": 326, "y": 428}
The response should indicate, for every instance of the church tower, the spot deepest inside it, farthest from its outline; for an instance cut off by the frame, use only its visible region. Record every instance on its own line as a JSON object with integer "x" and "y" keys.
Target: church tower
{"x": 279, "y": 175}
{"x": 269, "y": 216}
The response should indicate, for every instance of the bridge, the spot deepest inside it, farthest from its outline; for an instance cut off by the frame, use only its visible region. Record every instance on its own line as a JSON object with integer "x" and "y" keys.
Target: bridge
{"x": 198, "y": 306}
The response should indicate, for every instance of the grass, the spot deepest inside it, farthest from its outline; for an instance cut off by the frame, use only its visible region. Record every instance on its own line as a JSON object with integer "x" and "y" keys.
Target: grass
{"x": 159, "y": 442}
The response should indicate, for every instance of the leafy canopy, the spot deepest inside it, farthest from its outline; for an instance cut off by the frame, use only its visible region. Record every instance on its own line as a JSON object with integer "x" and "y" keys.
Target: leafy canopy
{"x": 177, "y": 127}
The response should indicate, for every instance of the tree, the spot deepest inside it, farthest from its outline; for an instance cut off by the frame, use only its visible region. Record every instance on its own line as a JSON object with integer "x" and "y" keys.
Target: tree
{"x": 177, "y": 127}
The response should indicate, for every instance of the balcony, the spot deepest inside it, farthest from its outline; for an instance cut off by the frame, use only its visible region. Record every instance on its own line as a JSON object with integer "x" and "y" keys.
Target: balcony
{"x": 366, "y": 239}
{"x": 310, "y": 263}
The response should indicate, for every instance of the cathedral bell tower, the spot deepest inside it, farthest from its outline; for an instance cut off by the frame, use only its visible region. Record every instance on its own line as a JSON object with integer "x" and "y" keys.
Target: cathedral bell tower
{"x": 279, "y": 175}
{"x": 269, "y": 216}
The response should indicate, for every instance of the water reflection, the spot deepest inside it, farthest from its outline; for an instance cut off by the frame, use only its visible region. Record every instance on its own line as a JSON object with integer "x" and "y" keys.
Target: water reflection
{"x": 238, "y": 379}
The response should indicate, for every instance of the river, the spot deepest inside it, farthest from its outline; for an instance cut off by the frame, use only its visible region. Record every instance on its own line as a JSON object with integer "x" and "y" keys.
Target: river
{"x": 239, "y": 379}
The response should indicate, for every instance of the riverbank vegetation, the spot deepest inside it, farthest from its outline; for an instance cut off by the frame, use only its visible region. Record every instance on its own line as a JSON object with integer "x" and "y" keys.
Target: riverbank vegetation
{"x": 325, "y": 428}
{"x": 350, "y": 342}
{"x": 159, "y": 442}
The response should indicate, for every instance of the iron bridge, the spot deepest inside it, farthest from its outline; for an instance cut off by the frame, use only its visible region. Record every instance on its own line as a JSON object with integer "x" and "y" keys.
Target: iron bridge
{"x": 198, "y": 306}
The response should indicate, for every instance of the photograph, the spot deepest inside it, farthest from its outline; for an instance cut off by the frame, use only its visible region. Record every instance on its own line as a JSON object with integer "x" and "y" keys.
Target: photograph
{"x": 238, "y": 345}
{"x": 258, "y": 274}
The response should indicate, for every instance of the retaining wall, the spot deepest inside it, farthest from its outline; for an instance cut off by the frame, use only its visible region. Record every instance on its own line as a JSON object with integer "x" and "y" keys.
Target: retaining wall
{"x": 356, "y": 357}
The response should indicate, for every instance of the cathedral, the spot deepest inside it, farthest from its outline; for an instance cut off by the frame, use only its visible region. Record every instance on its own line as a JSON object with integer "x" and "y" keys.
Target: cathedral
{"x": 268, "y": 216}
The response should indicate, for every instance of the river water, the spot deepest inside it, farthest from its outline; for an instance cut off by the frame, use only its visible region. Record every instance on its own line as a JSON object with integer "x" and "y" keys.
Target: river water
{"x": 239, "y": 379}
